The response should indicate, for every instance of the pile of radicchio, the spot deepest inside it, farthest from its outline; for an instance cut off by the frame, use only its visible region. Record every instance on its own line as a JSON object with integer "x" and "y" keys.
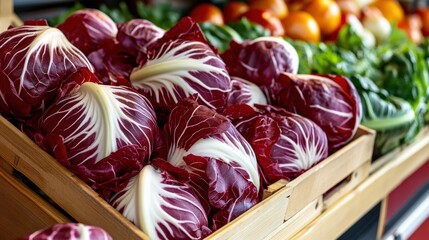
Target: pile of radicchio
{"x": 178, "y": 139}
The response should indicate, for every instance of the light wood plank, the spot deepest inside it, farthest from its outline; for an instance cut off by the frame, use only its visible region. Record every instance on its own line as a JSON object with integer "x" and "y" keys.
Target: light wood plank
{"x": 22, "y": 211}
{"x": 355, "y": 178}
{"x": 298, "y": 221}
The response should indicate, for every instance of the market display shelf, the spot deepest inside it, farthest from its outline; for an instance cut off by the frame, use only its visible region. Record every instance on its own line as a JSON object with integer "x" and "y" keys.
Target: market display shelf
{"x": 397, "y": 166}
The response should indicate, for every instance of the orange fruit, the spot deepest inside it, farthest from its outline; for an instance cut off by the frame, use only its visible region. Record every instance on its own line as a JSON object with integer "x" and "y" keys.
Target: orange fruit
{"x": 302, "y": 26}
{"x": 390, "y": 9}
{"x": 326, "y": 13}
{"x": 206, "y": 12}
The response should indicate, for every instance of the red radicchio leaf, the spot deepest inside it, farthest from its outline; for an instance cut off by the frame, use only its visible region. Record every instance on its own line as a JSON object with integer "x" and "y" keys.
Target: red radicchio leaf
{"x": 111, "y": 174}
{"x": 229, "y": 192}
{"x": 112, "y": 66}
{"x": 203, "y": 123}
{"x": 245, "y": 92}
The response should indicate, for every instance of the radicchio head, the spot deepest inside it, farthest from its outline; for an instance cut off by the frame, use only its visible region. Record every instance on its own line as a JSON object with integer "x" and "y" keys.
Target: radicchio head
{"x": 285, "y": 144}
{"x": 179, "y": 65}
{"x": 34, "y": 65}
{"x": 89, "y": 29}
{"x": 95, "y": 121}
{"x": 261, "y": 60}
{"x": 330, "y": 101}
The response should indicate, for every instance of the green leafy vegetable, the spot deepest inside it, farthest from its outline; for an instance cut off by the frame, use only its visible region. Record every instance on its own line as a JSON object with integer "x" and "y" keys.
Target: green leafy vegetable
{"x": 219, "y": 36}
{"x": 248, "y": 30}
{"x": 162, "y": 14}
{"x": 392, "y": 117}
{"x": 59, "y": 19}
{"x": 118, "y": 15}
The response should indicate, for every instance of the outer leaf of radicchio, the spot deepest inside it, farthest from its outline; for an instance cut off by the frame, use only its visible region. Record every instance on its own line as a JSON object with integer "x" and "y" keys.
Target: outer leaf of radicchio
{"x": 89, "y": 30}
{"x": 136, "y": 35}
{"x": 198, "y": 135}
{"x": 245, "y": 92}
{"x": 181, "y": 64}
{"x": 94, "y": 121}
{"x": 285, "y": 144}
{"x": 163, "y": 207}
{"x": 69, "y": 231}
{"x": 112, "y": 65}
{"x": 261, "y": 60}
{"x": 330, "y": 101}
{"x": 36, "y": 60}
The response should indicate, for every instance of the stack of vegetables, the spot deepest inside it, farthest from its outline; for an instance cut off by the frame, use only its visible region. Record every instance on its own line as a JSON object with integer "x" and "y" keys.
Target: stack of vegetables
{"x": 181, "y": 140}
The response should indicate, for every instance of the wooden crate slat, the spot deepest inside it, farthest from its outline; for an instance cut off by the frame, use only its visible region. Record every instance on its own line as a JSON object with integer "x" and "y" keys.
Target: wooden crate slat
{"x": 22, "y": 211}
{"x": 354, "y": 205}
{"x": 298, "y": 221}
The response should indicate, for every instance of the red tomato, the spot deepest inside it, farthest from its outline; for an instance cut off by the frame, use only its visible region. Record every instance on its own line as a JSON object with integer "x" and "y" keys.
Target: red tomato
{"x": 424, "y": 16}
{"x": 206, "y": 12}
{"x": 266, "y": 19}
{"x": 232, "y": 11}
{"x": 411, "y": 25}
{"x": 277, "y": 7}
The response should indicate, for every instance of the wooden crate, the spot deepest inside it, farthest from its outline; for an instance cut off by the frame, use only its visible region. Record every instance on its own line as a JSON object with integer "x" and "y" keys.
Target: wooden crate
{"x": 287, "y": 206}
{"x": 22, "y": 211}
{"x": 83, "y": 204}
